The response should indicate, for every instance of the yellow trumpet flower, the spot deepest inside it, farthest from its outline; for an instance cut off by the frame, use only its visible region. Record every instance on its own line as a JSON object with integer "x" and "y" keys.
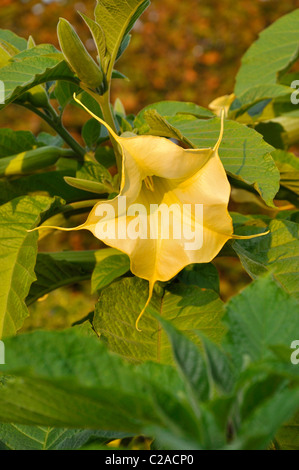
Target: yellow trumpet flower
{"x": 158, "y": 175}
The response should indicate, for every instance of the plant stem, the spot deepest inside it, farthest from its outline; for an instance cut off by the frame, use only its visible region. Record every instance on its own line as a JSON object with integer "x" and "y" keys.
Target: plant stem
{"x": 55, "y": 122}
{"x": 106, "y": 110}
{"x": 104, "y": 102}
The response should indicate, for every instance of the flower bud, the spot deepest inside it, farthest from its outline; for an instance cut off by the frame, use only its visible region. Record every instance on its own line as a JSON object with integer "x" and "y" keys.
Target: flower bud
{"x": 77, "y": 56}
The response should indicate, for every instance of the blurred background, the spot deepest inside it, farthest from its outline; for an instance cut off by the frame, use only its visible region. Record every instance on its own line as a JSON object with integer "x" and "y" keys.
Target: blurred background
{"x": 180, "y": 50}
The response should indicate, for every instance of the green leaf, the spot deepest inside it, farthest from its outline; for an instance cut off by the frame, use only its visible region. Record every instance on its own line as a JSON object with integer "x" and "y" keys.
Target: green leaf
{"x": 91, "y": 132}
{"x": 204, "y": 276}
{"x": 98, "y": 36}
{"x": 14, "y": 142}
{"x": 187, "y": 307}
{"x": 31, "y": 68}
{"x": 50, "y": 183}
{"x": 261, "y": 316}
{"x": 65, "y": 379}
{"x": 288, "y": 436}
{"x": 18, "y": 251}
{"x": 288, "y": 165}
{"x": 64, "y": 92}
{"x": 12, "y": 38}
{"x": 244, "y": 153}
{"x": 189, "y": 362}
{"x": 46, "y": 139}
{"x": 171, "y": 108}
{"x": 18, "y": 437}
{"x": 267, "y": 60}
{"x": 259, "y": 430}
{"x": 276, "y": 253}
{"x": 52, "y": 273}
{"x": 109, "y": 269}
{"x": 54, "y": 270}
{"x": 219, "y": 365}
{"x": 117, "y": 18}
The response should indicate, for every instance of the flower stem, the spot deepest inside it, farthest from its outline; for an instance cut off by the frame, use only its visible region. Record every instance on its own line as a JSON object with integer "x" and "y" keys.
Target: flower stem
{"x": 51, "y": 117}
{"x": 104, "y": 102}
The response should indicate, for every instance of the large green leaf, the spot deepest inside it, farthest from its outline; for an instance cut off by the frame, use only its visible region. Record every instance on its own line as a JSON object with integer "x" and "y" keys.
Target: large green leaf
{"x": 277, "y": 252}
{"x": 33, "y": 67}
{"x": 20, "y": 437}
{"x": 244, "y": 153}
{"x": 261, "y": 316}
{"x": 267, "y": 59}
{"x": 69, "y": 379}
{"x": 188, "y": 307}
{"x": 18, "y": 251}
{"x": 116, "y": 18}
{"x": 65, "y": 379}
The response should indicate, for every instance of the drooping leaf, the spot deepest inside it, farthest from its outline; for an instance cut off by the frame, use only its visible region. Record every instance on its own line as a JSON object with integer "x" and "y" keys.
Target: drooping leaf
{"x": 18, "y": 251}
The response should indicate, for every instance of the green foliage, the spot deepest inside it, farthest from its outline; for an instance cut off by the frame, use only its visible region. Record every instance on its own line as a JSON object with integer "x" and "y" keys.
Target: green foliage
{"x": 187, "y": 307}
{"x": 183, "y": 410}
{"x": 18, "y": 258}
{"x": 204, "y": 372}
{"x": 277, "y": 253}
{"x": 116, "y": 19}
{"x": 267, "y": 60}
{"x": 31, "y": 68}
